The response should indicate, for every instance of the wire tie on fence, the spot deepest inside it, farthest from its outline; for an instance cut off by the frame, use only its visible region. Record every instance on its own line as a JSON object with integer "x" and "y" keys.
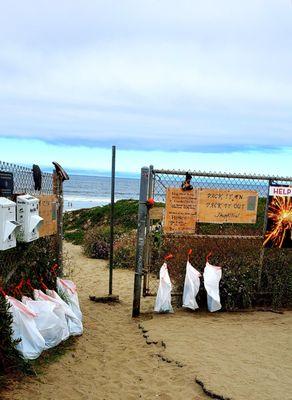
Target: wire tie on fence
{"x": 53, "y": 269}
{"x": 168, "y": 257}
{"x": 28, "y": 283}
{"x": 208, "y": 256}
{"x": 42, "y": 283}
{"x": 17, "y": 289}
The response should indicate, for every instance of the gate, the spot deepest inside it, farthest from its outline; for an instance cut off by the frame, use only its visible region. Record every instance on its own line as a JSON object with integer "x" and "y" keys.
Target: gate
{"x": 237, "y": 245}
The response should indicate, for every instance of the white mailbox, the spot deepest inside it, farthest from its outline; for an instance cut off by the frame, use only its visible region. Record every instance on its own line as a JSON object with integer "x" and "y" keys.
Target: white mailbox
{"x": 8, "y": 224}
{"x": 28, "y": 217}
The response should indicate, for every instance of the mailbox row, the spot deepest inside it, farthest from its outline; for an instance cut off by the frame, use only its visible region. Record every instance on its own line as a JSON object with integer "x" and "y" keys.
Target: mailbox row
{"x": 19, "y": 221}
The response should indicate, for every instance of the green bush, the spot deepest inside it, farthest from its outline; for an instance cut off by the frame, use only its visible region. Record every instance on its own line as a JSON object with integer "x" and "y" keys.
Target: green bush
{"x": 27, "y": 260}
{"x": 77, "y": 223}
{"x": 125, "y": 251}
{"x": 96, "y": 243}
{"x": 245, "y": 282}
{"x": 10, "y": 358}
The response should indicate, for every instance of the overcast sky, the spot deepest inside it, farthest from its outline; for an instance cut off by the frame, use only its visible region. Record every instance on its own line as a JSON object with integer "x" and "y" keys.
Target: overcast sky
{"x": 178, "y": 83}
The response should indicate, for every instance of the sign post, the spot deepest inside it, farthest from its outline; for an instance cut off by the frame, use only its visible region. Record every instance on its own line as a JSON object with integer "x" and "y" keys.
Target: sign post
{"x": 111, "y": 262}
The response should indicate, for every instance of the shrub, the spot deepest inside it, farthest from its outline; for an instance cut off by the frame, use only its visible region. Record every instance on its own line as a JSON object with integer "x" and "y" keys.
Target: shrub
{"x": 10, "y": 358}
{"x": 125, "y": 251}
{"x": 96, "y": 243}
{"x": 245, "y": 283}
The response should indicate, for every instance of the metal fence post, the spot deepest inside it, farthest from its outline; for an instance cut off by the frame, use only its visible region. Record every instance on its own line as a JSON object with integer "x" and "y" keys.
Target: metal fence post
{"x": 147, "y": 255}
{"x": 111, "y": 261}
{"x": 262, "y": 253}
{"x": 142, "y": 217}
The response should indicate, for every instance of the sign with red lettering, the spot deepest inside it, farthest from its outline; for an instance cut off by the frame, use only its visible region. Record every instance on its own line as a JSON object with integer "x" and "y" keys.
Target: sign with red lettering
{"x": 279, "y": 217}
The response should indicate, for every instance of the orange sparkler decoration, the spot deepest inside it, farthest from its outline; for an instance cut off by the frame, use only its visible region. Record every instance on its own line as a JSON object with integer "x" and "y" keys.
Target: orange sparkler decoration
{"x": 280, "y": 214}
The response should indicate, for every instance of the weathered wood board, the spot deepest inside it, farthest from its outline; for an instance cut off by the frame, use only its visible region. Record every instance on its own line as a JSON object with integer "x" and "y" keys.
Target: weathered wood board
{"x": 227, "y": 206}
{"x": 156, "y": 213}
{"x": 48, "y": 211}
{"x": 180, "y": 211}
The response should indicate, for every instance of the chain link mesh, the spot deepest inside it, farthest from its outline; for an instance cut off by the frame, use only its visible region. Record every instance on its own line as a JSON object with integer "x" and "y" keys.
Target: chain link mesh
{"x": 233, "y": 246}
{"x": 28, "y": 260}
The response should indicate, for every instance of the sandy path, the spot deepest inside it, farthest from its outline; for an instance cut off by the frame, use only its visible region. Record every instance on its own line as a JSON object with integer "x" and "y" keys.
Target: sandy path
{"x": 111, "y": 360}
{"x": 236, "y": 355}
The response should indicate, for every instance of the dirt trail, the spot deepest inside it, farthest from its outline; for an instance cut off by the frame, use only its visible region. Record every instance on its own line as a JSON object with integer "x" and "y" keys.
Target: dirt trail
{"x": 111, "y": 361}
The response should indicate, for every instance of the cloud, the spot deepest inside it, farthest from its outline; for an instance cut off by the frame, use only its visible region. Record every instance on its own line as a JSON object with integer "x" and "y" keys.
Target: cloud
{"x": 204, "y": 77}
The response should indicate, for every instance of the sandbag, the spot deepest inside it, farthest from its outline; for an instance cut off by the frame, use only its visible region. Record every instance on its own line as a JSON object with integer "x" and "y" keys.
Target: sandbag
{"x": 24, "y": 327}
{"x": 70, "y": 290}
{"x": 163, "y": 298}
{"x": 74, "y": 324}
{"x": 212, "y": 276}
{"x": 58, "y": 311}
{"x": 191, "y": 287}
{"x": 47, "y": 322}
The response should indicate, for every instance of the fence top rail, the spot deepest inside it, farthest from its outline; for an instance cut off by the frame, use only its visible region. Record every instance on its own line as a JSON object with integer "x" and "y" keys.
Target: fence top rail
{"x": 9, "y": 167}
{"x": 205, "y": 236}
{"x": 222, "y": 175}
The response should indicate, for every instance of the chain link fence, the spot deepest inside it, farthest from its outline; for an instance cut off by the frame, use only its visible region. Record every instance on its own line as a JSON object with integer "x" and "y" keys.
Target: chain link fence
{"x": 31, "y": 260}
{"x": 251, "y": 274}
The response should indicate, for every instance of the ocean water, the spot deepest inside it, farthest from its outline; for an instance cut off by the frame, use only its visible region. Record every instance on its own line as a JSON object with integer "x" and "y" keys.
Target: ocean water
{"x": 82, "y": 191}
{"x": 89, "y": 191}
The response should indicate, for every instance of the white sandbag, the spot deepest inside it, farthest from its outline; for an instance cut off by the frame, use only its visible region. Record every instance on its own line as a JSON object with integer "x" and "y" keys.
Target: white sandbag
{"x": 24, "y": 327}
{"x": 47, "y": 322}
{"x": 191, "y": 287}
{"x": 212, "y": 276}
{"x": 70, "y": 290}
{"x": 58, "y": 311}
{"x": 74, "y": 324}
{"x": 163, "y": 298}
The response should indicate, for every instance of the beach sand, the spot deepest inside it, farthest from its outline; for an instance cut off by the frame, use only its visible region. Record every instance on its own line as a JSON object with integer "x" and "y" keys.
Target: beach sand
{"x": 239, "y": 355}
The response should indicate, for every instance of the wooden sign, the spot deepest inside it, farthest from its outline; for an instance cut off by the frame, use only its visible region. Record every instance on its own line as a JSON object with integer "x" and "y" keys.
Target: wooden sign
{"x": 156, "y": 213}
{"x": 227, "y": 206}
{"x": 180, "y": 211}
{"x": 48, "y": 211}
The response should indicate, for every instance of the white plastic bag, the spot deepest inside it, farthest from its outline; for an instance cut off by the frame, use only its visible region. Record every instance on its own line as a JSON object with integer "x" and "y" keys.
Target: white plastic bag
{"x": 70, "y": 290}
{"x": 212, "y": 276}
{"x": 191, "y": 287}
{"x": 47, "y": 322}
{"x": 74, "y": 324}
{"x": 24, "y": 327}
{"x": 58, "y": 311}
{"x": 163, "y": 298}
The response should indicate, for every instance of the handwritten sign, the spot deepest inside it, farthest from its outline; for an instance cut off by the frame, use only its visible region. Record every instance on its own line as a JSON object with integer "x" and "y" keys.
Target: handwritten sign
{"x": 227, "y": 206}
{"x": 180, "y": 211}
{"x": 48, "y": 211}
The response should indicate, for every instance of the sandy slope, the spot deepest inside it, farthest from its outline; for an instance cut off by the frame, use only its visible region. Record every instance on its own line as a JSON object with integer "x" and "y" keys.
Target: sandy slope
{"x": 239, "y": 356}
{"x": 112, "y": 360}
